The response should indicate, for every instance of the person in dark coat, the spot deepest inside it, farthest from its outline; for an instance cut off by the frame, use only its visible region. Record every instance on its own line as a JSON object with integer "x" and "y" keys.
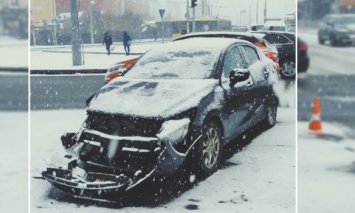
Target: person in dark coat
{"x": 108, "y": 41}
{"x": 126, "y": 42}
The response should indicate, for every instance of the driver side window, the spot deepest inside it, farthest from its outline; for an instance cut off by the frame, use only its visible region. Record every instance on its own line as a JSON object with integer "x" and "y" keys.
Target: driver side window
{"x": 232, "y": 60}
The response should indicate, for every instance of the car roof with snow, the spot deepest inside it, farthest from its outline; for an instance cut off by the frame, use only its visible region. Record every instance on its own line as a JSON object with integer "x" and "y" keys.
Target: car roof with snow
{"x": 211, "y": 33}
{"x": 202, "y": 42}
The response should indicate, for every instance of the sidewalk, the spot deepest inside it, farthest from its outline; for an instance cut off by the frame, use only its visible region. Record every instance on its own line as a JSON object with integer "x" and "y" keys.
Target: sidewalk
{"x": 13, "y": 54}
{"x": 58, "y": 59}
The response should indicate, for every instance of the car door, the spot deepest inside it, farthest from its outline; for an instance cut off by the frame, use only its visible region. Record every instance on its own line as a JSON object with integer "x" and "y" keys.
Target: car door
{"x": 284, "y": 46}
{"x": 238, "y": 101}
{"x": 260, "y": 73}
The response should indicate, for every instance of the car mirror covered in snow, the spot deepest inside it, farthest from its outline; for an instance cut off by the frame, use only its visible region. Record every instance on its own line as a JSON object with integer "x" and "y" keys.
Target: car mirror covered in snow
{"x": 238, "y": 75}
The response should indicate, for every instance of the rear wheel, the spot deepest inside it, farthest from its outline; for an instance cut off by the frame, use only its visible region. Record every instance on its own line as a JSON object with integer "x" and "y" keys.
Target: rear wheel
{"x": 209, "y": 149}
{"x": 271, "y": 114}
{"x": 288, "y": 69}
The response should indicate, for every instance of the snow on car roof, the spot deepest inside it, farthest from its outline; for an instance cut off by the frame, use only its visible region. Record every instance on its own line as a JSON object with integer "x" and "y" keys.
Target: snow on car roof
{"x": 216, "y": 33}
{"x": 200, "y": 42}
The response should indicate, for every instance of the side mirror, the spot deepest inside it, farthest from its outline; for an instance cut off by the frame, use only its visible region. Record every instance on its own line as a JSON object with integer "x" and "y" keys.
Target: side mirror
{"x": 330, "y": 24}
{"x": 237, "y": 75}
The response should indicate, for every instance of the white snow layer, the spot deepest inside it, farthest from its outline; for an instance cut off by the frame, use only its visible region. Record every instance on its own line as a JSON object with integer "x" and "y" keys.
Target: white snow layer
{"x": 14, "y": 162}
{"x": 326, "y": 169}
{"x": 167, "y": 98}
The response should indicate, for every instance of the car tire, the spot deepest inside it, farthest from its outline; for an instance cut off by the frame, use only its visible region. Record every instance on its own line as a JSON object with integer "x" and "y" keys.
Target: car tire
{"x": 288, "y": 69}
{"x": 320, "y": 40}
{"x": 333, "y": 41}
{"x": 208, "y": 155}
{"x": 271, "y": 113}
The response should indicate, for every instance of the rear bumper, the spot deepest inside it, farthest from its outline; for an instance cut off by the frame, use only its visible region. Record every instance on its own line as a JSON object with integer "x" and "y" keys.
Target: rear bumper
{"x": 303, "y": 64}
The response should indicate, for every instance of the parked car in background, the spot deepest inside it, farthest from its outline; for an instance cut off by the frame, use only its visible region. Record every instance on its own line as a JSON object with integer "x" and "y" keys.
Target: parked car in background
{"x": 239, "y": 28}
{"x": 302, "y": 56}
{"x": 285, "y": 44}
{"x": 255, "y": 27}
{"x": 274, "y": 26}
{"x": 337, "y": 29}
{"x": 181, "y": 102}
{"x": 264, "y": 46}
{"x": 118, "y": 69}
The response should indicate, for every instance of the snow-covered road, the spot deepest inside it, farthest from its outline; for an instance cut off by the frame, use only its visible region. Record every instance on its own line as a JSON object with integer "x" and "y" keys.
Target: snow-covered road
{"x": 325, "y": 59}
{"x": 261, "y": 178}
{"x": 13, "y": 162}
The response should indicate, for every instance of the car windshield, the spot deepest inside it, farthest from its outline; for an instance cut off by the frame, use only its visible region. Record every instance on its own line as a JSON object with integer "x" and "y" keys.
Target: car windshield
{"x": 179, "y": 62}
{"x": 344, "y": 20}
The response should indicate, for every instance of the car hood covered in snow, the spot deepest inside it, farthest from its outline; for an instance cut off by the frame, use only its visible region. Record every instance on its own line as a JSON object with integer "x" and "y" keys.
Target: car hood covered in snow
{"x": 150, "y": 98}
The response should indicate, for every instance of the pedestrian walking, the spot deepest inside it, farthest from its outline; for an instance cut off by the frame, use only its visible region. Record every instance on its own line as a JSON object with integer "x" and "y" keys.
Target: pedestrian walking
{"x": 107, "y": 41}
{"x": 126, "y": 42}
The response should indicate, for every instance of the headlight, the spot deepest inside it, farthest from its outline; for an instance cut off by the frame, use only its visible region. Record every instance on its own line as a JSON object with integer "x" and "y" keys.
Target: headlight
{"x": 115, "y": 67}
{"x": 342, "y": 30}
{"x": 174, "y": 130}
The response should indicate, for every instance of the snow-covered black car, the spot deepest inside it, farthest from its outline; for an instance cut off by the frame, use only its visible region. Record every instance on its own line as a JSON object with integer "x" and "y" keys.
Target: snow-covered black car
{"x": 338, "y": 29}
{"x": 184, "y": 99}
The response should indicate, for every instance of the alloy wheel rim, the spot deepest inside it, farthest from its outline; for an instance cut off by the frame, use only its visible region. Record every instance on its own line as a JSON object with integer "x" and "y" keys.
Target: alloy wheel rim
{"x": 211, "y": 148}
{"x": 288, "y": 68}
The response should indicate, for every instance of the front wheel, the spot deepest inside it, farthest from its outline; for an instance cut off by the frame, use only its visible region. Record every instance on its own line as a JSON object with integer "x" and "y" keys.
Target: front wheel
{"x": 209, "y": 149}
{"x": 320, "y": 40}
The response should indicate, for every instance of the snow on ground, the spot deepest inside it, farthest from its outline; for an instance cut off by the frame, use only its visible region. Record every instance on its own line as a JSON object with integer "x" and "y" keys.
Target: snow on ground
{"x": 95, "y": 57}
{"x": 259, "y": 179}
{"x": 13, "y": 162}
{"x": 326, "y": 170}
{"x": 13, "y": 52}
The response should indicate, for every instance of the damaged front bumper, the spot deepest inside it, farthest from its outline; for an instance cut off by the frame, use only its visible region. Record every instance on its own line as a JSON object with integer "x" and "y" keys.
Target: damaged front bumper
{"x": 98, "y": 171}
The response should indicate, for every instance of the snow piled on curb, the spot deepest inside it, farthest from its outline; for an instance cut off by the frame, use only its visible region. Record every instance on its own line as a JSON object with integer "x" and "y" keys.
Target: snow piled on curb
{"x": 326, "y": 170}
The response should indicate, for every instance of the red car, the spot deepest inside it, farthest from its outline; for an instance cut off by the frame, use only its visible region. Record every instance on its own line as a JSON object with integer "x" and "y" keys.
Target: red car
{"x": 117, "y": 69}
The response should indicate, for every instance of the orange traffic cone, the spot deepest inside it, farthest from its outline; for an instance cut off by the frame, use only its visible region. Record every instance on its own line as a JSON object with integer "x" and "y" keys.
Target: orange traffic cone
{"x": 315, "y": 124}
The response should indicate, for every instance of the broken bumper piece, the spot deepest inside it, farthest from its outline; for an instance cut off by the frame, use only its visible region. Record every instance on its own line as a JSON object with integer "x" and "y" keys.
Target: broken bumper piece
{"x": 92, "y": 184}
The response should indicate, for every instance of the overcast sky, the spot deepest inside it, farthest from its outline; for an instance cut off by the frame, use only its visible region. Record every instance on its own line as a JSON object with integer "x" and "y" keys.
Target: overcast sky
{"x": 231, "y": 9}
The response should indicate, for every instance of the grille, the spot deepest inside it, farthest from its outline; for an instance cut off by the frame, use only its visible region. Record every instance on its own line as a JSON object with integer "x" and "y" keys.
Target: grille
{"x": 124, "y": 125}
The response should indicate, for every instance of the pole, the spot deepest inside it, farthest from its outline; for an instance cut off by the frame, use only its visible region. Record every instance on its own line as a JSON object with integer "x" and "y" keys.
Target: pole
{"x": 249, "y": 14}
{"x": 162, "y": 29}
{"x": 265, "y": 12}
{"x": 244, "y": 16}
{"x": 55, "y": 35}
{"x": 91, "y": 24}
{"x": 193, "y": 20}
{"x": 187, "y": 17}
{"x": 75, "y": 42}
{"x": 257, "y": 11}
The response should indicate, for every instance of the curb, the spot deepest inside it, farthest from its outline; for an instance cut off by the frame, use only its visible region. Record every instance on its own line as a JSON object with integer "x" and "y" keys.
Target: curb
{"x": 14, "y": 69}
{"x": 103, "y": 53}
{"x": 57, "y": 72}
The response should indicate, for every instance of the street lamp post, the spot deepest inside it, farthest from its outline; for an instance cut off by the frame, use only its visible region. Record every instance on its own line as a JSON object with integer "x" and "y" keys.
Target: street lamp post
{"x": 91, "y": 2}
{"x": 265, "y": 12}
